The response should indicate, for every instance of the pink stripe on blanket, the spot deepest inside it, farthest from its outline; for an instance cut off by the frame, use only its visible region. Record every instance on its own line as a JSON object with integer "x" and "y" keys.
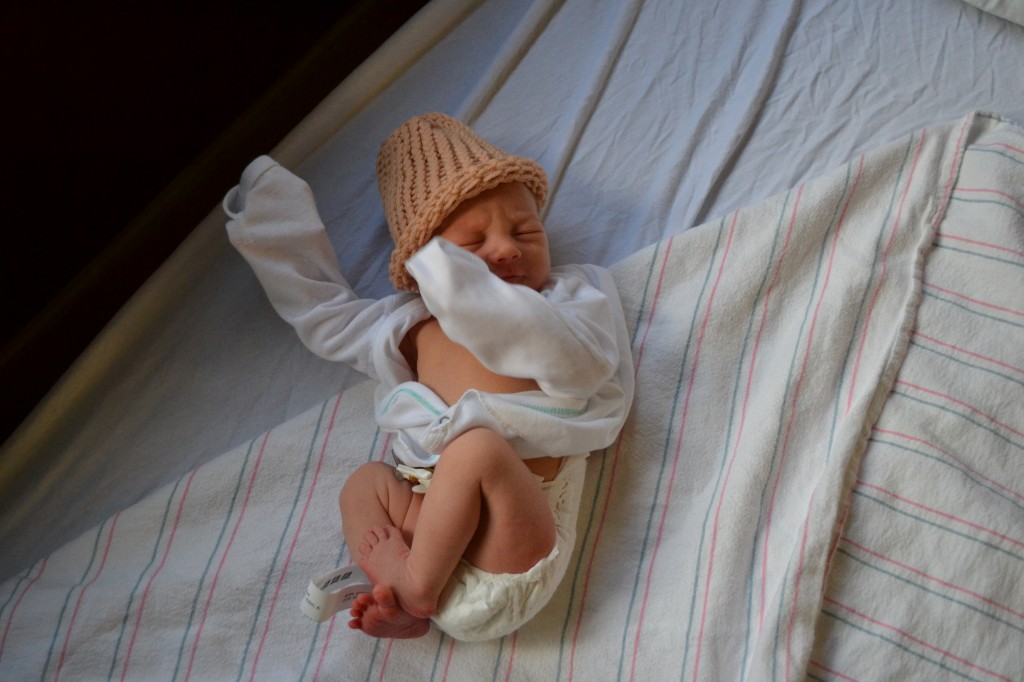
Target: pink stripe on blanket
{"x": 975, "y": 301}
{"x": 384, "y": 663}
{"x": 746, "y": 400}
{"x": 882, "y": 278}
{"x": 378, "y": 456}
{"x": 796, "y": 587}
{"x": 153, "y": 577}
{"x": 744, "y": 409}
{"x": 295, "y": 535}
{"x": 961, "y": 403}
{"x": 654, "y": 307}
{"x": 614, "y": 466}
{"x": 511, "y": 656}
{"x": 981, "y": 190}
{"x": 448, "y": 660}
{"x": 227, "y": 551}
{"x": 964, "y": 351}
{"x": 988, "y": 245}
{"x": 830, "y": 671}
{"x": 1000, "y": 145}
{"x": 803, "y": 371}
{"x": 931, "y": 578}
{"x": 679, "y": 445}
{"x": 959, "y": 461}
{"x": 950, "y": 179}
{"x": 17, "y": 603}
{"x": 945, "y": 515}
{"x": 916, "y": 640}
{"x": 81, "y": 596}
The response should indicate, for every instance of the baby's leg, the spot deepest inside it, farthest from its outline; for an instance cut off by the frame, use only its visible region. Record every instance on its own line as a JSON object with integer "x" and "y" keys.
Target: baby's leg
{"x": 483, "y": 505}
{"x": 372, "y": 497}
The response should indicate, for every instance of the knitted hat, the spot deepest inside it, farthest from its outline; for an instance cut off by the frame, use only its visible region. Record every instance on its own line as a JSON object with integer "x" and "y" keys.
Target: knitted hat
{"x": 427, "y": 167}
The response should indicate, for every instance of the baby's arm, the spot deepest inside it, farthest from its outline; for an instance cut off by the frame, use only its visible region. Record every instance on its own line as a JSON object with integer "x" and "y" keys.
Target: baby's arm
{"x": 275, "y": 225}
{"x": 567, "y": 340}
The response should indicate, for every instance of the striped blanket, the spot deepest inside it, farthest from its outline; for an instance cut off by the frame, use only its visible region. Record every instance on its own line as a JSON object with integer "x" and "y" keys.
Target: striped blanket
{"x": 821, "y": 475}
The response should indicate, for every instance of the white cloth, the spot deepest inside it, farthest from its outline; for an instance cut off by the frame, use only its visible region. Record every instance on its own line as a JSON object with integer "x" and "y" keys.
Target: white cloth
{"x": 570, "y": 337}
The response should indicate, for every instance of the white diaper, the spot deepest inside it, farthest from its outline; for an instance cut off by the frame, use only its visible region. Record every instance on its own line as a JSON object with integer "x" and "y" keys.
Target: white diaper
{"x": 477, "y": 605}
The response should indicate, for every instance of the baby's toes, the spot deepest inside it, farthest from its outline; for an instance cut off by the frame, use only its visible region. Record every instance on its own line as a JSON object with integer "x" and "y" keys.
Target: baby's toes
{"x": 361, "y": 603}
{"x": 375, "y": 536}
{"x": 384, "y": 598}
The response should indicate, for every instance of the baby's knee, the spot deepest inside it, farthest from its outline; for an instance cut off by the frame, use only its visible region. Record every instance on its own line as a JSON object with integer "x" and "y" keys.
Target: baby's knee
{"x": 475, "y": 442}
{"x": 479, "y": 449}
{"x": 480, "y": 438}
{"x": 368, "y": 473}
{"x": 368, "y": 477}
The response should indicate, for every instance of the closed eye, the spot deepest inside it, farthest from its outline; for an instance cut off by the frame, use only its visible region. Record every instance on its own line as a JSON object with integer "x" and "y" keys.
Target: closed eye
{"x": 529, "y": 229}
{"x": 466, "y": 240}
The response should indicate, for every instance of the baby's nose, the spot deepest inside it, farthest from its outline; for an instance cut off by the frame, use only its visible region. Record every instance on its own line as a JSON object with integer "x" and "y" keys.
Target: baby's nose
{"x": 502, "y": 250}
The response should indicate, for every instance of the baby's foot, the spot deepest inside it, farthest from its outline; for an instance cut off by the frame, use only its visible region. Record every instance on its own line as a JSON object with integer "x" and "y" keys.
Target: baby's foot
{"x": 378, "y": 615}
{"x": 384, "y": 556}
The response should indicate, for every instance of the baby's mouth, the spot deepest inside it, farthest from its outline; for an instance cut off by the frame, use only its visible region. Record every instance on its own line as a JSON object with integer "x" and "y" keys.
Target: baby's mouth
{"x": 508, "y": 275}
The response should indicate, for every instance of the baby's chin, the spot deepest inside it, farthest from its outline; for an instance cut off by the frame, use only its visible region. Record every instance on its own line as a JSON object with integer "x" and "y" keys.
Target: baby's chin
{"x": 532, "y": 282}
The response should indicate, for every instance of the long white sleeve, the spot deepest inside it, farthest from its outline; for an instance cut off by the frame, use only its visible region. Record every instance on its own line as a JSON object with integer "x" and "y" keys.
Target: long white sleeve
{"x": 568, "y": 338}
{"x": 275, "y": 225}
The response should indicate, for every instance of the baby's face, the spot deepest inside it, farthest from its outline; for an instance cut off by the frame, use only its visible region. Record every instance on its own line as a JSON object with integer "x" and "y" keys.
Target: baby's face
{"x": 502, "y": 227}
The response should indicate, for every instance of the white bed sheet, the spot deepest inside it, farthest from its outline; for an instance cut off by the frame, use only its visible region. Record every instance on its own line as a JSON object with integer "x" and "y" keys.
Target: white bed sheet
{"x": 651, "y": 117}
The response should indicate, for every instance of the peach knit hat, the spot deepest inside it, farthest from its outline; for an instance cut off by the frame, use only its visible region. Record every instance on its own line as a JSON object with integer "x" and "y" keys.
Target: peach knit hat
{"x": 430, "y": 165}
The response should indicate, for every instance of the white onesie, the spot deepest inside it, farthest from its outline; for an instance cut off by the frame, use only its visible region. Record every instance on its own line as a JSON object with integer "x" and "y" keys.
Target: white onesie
{"x": 570, "y": 337}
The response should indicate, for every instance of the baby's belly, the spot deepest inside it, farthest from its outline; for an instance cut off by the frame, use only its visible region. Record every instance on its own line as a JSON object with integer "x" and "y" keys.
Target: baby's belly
{"x": 450, "y": 370}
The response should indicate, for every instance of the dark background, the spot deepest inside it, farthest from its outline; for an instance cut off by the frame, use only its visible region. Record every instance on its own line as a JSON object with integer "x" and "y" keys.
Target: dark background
{"x": 125, "y": 124}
